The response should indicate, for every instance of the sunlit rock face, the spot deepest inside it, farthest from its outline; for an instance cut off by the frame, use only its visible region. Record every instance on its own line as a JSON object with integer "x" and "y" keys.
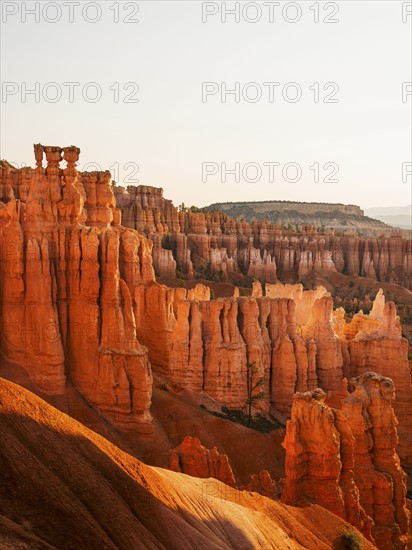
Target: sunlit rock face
{"x": 346, "y": 460}
{"x": 69, "y": 270}
{"x": 375, "y": 343}
{"x": 192, "y": 458}
{"x": 206, "y": 344}
{"x": 293, "y": 339}
{"x": 213, "y": 242}
{"x": 79, "y": 301}
{"x": 378, "y": 474}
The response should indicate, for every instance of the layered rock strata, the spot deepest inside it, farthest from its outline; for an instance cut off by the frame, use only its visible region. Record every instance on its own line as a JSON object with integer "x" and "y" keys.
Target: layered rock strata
{"x": 377, "y": 471}
{"x": 346, "y": 461}
{"x": 204, "y": 344}
{"x": 292, "y": 337}
{"x": 214, "y": 244}
{"x": 79, "y": 299}
{"x": 319, "y": 469}
{"x": 374, "y": 342}
{"x": 68, "y": 273}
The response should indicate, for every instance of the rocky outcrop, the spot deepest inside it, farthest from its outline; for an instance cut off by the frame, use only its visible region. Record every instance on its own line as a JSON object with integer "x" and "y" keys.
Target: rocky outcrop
{"x": 375, "y": 343}
{"x": 261, "y": 267}
{"x": 377, "y": 471}
{"x": 80, "y": 301}
{"x": 162, "y": 258}
{"x": 292, "y": 337}
{"x": 208, "y": 344}
{"x": 211, "y": 243}
{"x": 263, "y": 484}
{"x": 346, "y": 461}
{"x": 68, "y": 273}
{"x": 193, "y": 459}
{"x": 319, "y": 469}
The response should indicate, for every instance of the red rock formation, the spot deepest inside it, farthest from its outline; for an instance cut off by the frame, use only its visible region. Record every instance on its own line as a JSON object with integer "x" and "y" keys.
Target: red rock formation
{"x": 203, "y": 344}
{"x": 193, "y": 459}
{"x": 375, "y": 343}
{"x": 163, "y": 260}
{"x": 345, "y": 460}
{"x": 220, "y": 244}
{"x": 377, "y": 472}
{"x": 319, "y": 461}
{"x": 67, "y": 276}
{"x": 290, "y": 335}
{"x": 224, "y": 353}
{"x": 258, "y": 266}
{"x": 62, "y": 228}
{"x": 263, "y": 484}
{"x": 258, "y": 347}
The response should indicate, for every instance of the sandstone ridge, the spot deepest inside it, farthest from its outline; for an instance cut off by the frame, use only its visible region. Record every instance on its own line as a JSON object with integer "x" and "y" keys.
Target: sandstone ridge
{"x": 216, "y": 244}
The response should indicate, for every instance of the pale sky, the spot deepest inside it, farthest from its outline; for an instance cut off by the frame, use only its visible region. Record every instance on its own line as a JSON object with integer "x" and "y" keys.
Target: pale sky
{"x": 171, "y": 133}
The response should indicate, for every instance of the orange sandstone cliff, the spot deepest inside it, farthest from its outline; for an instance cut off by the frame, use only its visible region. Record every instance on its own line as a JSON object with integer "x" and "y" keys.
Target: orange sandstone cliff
{"x": 212, "y": 243}
{"x": 374, "y": 343}
{"x": 67, "y": 276}
{"x": 345, "y": 460}
{"x": 80, "y": 304}
{"x": 294, "y": 337}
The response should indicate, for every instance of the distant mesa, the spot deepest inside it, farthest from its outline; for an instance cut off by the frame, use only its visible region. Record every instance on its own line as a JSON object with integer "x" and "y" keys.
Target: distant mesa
{"x": 330, "y": 216}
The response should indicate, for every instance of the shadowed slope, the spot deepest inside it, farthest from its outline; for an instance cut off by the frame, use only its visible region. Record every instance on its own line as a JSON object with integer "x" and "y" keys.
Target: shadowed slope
{"x": 63, "y": 486}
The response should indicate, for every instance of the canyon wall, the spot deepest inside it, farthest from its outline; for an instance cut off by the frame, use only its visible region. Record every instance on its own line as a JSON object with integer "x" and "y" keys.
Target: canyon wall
{"x": 212, "y": 244}
{"x": 293, "y": 339}
{"x": 345, "y": 460}
{"x": 210, "y": 344}
{"x": 80, "y": 305}
{"x": 319, "y": 467}
{"x": 68, "y": 272}
{"x": 374, "y": 342}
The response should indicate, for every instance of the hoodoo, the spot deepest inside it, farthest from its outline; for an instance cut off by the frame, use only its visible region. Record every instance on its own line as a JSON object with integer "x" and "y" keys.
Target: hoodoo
{"x": 68, "y": 273}
{"x": 211, "y": 241}
{"x": 81, "y": 311}
{"x": 346, "y": 460}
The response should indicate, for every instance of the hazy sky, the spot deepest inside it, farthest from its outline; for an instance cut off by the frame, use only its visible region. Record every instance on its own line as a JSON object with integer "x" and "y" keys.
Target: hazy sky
{"x": 172, "y": 131}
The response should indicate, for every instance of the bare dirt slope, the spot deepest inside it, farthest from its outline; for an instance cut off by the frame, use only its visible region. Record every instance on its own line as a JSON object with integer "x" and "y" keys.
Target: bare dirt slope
{"x": 176, "y": 414}
{"x": 62, "y": 486}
